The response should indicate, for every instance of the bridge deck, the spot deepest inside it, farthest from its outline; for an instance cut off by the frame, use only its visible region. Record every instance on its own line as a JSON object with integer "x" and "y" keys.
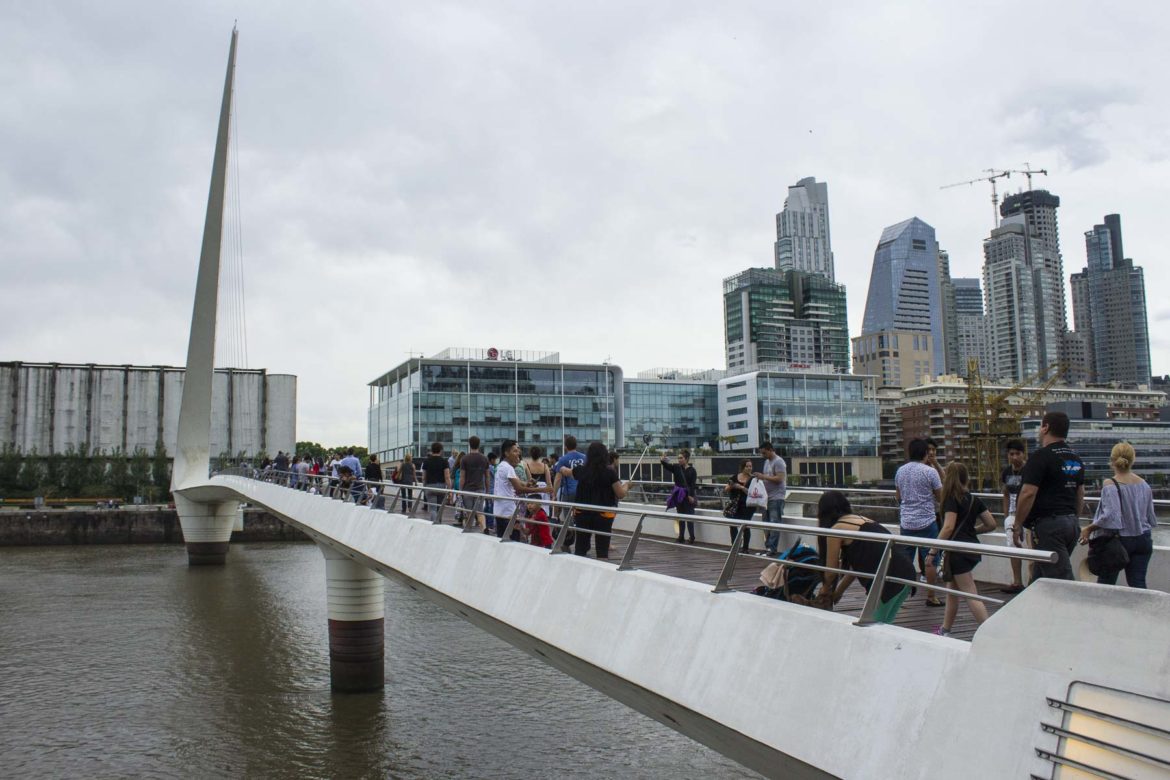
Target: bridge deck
{"x": 703, "y": 563}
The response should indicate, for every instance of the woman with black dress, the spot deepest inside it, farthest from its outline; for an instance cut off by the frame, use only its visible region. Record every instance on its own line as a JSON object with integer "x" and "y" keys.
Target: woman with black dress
{"x": 859, "y": 555}
{"x": 737, "y": 488}
{"x": 597, "y": 484}
{"x": 964, "y": 518}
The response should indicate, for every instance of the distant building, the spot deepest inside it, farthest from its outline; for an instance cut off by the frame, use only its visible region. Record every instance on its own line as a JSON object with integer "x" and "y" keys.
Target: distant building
{"x": 825, "y": 423}
{"x": 950, "y": 320}
{"x": 58, "y": 408}
{"x": 1036, "y": 211}
{"x": 939, "y": 409}
{"x": 897, "y": 358}
{"x": 676, "y": 408}
{"x": 1109, "y": 309}
{"x": 494, "y": 394}
{"x": 904, "y": 290}
{"x": 972, "y": 325}
{"x": 803, "y": 241}
{"x": 783, "y": 318}
{"x": 1012, "y": 335}
{"x": 1093, "y": 433}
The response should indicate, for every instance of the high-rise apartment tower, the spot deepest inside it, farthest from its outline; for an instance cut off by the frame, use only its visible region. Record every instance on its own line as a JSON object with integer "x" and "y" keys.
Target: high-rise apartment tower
{"x": 904, "y": 289}
{"x": 802, "y": 230}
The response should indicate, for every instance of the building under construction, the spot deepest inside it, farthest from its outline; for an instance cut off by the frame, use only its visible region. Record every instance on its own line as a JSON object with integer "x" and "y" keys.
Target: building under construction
{"x": 941, "y": 410}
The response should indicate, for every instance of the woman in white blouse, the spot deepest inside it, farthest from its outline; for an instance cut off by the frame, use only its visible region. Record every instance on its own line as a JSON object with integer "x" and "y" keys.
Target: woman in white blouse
{"x": 1126, "y": 507}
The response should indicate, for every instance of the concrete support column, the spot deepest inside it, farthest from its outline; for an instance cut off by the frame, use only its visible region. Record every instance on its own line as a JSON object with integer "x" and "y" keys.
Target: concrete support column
{"x": 357, "y": 624}
{"x": 207, "y": 529}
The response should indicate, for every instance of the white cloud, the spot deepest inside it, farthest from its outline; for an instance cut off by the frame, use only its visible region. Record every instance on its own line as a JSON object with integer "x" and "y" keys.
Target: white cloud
{"x": 574, "y": 178}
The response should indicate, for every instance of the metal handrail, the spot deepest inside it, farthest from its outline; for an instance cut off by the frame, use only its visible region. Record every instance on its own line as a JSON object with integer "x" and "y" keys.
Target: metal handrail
{"x": 1163, "y": 502}
{"x": 878, "y": 578}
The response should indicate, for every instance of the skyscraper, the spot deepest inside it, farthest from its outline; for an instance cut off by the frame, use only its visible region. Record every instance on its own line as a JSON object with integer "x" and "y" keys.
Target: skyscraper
{"x": 1036, "y": 211}
{"x": 946, "y": 293}
{"x": 802, "y": 230}
{"x": 904, "y": 290}
{"x": 1109, "y": 308}
{"x": 784, "y": 317}
{"x": 1012, "y": 351}
{"x": 972, "y": 325}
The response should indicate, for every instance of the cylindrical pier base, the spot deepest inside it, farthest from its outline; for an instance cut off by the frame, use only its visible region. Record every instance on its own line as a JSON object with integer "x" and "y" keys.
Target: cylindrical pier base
{"x": 357, "y": 626}
{"x": 207, "y": 528}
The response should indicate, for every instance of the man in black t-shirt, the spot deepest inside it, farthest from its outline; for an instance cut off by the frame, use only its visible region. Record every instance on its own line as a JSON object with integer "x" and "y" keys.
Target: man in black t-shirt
{"x": 436, "y": 474}
{"x": 1052, "y": 497}
{"x": 1012, "y": 479}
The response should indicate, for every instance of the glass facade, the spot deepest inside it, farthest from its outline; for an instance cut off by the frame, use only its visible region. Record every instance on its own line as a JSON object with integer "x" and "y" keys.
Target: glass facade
{"x": 817, "y": 416}
{"x": 425, "y": 401}
{"x": 676, "y": 414}
{"x": 1093, "y": 440}
{"x": 803, "y": 415}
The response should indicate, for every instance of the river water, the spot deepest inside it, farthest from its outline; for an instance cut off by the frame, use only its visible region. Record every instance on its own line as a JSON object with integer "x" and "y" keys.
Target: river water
{"x": 122, "y": 661}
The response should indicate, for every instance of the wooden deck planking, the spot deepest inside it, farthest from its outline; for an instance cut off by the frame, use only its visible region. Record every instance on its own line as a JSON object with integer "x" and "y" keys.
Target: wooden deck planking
{"x": 704, "y": 562}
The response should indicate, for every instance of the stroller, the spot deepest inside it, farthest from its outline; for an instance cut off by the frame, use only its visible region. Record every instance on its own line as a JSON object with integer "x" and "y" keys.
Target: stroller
{"x": 791, "y": 583}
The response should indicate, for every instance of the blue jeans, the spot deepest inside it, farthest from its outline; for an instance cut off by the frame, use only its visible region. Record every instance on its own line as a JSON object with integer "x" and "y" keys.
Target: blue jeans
{"x": 930, "y": 532}
{"x": 1140, "y": 548}
{"x": 775, "y": 514}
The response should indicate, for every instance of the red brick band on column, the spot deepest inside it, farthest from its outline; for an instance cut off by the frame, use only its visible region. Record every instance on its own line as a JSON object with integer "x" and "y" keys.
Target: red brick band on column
{"x": 207, "y": 553}
{"x": 357, "y": 655}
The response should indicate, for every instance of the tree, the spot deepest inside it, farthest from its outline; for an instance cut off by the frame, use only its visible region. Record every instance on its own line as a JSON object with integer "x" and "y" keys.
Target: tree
{"x": 140, "y": 471}
{"x": 32, "y": 473}
{"x": 10, "y": 462}
{"x": 118, "y": 478}
{"x": 160, "y": 468}
{"x": 315, "y": 450}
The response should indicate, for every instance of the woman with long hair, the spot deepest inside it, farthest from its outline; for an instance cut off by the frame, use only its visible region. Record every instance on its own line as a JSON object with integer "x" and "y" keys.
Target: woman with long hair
{"x": 860, "y": 555}
{"x": 597, "y": 484}
{"x": 407, "y": 476}
{"x": 538, "y": 472}
{"x": 737, "y": 490}
{"x": 1127, "y": 508}
{"x": 964, "y": 518}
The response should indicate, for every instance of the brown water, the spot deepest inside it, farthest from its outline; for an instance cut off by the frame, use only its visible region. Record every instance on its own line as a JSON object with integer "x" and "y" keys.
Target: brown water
{"x": 122, "y": 661}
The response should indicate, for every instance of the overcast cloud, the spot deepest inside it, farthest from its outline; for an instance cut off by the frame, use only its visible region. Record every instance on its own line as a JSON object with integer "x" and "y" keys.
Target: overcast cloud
{"x": 571, "y": 177}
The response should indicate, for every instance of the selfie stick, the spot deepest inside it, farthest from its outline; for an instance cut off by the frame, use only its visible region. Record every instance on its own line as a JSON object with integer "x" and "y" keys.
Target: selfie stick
{"x": 647, "y": 439}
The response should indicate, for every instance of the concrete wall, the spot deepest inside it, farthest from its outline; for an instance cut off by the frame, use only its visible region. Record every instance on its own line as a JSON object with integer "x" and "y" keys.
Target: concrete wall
{"x": 51, "y": 408}
{"x": 125, "y": 526}
{"x": 781, "y": 688}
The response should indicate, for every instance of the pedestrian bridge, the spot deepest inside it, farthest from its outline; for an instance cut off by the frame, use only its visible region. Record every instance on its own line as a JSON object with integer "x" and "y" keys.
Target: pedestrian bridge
{"x": 1067, "y": 677}
{"x": 764, "y": 682}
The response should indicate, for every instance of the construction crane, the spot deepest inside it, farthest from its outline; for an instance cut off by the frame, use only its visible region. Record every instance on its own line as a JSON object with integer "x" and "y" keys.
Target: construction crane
{"x": 994, "y": 175}
{"x": 992, "y": 420}
{"x": 1030, "y": 172}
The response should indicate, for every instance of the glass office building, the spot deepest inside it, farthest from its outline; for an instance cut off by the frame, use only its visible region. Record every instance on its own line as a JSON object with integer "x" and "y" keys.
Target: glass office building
{"x": 495, "y": 395}
{"x": 804, "y": 415}
{"x": 676, "y": 408}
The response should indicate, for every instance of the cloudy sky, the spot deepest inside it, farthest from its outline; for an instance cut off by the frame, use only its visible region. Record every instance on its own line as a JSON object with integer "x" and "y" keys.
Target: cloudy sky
{"x": 560, "y": 176}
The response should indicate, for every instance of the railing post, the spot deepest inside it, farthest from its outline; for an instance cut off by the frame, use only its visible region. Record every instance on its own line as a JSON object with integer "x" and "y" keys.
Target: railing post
{"x": 473, "y": 525}
{"x": 729, "y": 564}
{"x": 628, "y": 557}
{"x": 875, "y": 589}
{"x": 562, "y": 534}
{"x": 507, "y": 537}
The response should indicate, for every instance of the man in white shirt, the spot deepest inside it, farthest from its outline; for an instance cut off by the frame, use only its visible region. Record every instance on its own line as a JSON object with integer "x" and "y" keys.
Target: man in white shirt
{"x": 507, "y": 487}
{"x": 775, "y": 479}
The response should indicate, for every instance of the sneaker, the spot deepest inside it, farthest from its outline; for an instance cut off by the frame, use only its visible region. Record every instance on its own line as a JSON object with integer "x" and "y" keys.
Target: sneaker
{"x": 1012, "y": 589}
{"x": 940, "y": 631}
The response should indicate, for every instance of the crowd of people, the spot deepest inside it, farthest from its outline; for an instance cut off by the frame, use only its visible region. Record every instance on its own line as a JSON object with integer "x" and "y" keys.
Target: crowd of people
{"x": 1042, "y": 501}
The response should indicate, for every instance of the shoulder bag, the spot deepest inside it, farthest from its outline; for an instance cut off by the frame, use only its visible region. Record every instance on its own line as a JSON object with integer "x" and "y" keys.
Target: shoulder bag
{"x": 1107, "y": 554}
